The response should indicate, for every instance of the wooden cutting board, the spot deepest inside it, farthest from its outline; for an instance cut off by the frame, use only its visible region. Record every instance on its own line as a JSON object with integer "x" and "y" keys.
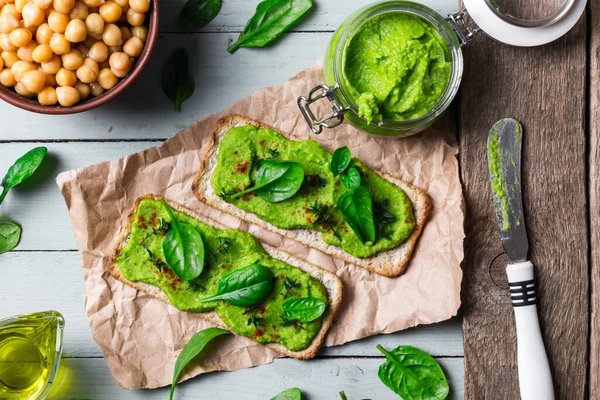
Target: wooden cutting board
{"x": 544, "y": 88}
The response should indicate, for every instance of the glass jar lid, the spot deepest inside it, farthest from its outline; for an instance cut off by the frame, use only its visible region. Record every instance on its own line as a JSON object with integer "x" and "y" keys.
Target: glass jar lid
{"x": 500, "y": 22}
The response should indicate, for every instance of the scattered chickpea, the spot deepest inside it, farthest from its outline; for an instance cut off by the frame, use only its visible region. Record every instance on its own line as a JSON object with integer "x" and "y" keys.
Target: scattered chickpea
{"x": 93, "y": 3}
{"x": 51, "y": 80}
{"x": 140, "y": 6}
{"x": 135, "y": 18}
{"x": 6, "y": 78}
{"x": 107, "y": 79}
{"x": 11, "y": 9}
{"x": 140, "y": 32}
{"x": 95, "y": 25}
{"x": 8, "y": 23}
{"x": 95, "y": 89}
{"x": 67, "y": 95}
{"x": 42, "y": 4}
{"x": 59, "y": 44}
{"x": 112, "y": 35}
{"x": 20, "y": 68}
{"x": 98, "y": 52}
{"x": 110, "y": 11}
{"x": 25, "y": 52}
{"x": 83, "y": 89}
{"x": 63, "y": 6}
{"x": 32, "y": 15}
{"x": 20, "y": 37}
{"x": 9, "y": 58}
{"x": 133, "y": 47}
{"x": 64, "y": 77}
{"x": 76, "y": 31}
{"x": 6, "y": 44}
{"x": 83, "y": 49}
{"x": 34, "y": 81}
{"x": 90, "y": 41}
{"x": 58, "y": 22}
{"x": 22, "y": 90}
{"x": 53, "y": 66}
{"x": 41, "y": 53}
{"x": 47, "y": 97}
{"x": 19, "y": 5}
{"x": 88, "y": 72}
{"x": 72, "y": 60}
{"x": 79, "y": 11}
{"x": 43, "y": 35}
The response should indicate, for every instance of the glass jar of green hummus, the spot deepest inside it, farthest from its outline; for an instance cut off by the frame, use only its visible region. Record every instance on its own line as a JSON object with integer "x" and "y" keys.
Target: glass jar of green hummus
{"x": 392, "y": 68}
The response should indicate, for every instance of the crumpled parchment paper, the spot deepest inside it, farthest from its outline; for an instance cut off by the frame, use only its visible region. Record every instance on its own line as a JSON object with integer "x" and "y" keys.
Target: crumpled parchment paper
{"x": 141, "y": 337}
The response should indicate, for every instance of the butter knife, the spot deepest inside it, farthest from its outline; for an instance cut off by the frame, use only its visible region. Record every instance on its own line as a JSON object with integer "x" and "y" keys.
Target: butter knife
{"x": 504, "y": 160}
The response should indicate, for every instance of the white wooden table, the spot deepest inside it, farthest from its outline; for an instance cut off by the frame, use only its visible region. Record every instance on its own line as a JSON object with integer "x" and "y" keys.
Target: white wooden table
{"x": 44, "y": 271}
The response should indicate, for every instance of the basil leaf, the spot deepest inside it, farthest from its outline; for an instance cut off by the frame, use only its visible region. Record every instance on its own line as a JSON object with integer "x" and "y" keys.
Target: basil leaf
{"x": 413, "y": 374}
{"x": 276, "y": 180}
{"x": 352, "y": 179}
{"x": 22, "y": 169}
{"x": 192, "y": 349}
{"x": 304, "y": 309}
{"x": 197, "y": 13}
{"x": 245, "y": 287}
{"x": 357, "y": 209}
{"x": 271, "y": 19}
{"x": 183, "y": 248}
{"x": 340, "y": 160}
{"x": 176, "y": 81}
{"x": 289, "y": 394}
{"x": 10, "y": 234}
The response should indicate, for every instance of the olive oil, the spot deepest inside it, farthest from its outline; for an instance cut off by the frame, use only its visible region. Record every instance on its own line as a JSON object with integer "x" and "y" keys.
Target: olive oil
{"x": 30, "y": 349}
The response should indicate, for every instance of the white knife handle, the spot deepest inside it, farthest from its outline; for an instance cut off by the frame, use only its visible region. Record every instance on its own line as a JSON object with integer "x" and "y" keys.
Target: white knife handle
{"x": 535, "y": 379}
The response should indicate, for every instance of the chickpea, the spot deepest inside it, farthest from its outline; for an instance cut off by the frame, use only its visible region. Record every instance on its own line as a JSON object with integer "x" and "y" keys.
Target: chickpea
{"x": 9, "y": 58}
{"x": 59, "y": 44}
{"x": 95, "y": 89}
{"x": 133, "y": 47}
{"x": 11, "y": 9}
{"x": 110, "y": 11}
{"x": 140, "y": 32}
{"x": 114, "y": 49}
{"x": 135, "y": 18}
{"x": 25, "y": 52}
{"x": 79, "y": 11}
{"x": 19, "y": 4}
{"x": 83, "y": 49}
{"x": 140, "y": 6}
{"x": 64, "y": 77}
{"x": 122, "y": 3}
{"x": 125, "y": 33}
{"x": 67, "y": 95}
{"x": 51, "y": 80}
{"x": 53, "y": 66}
{"x": 76, "y": 31}
{"x": 120, "y": 64}
{"x": 47, "y": 97}
{"x": 93, "y": 3}
{"x": 6, "y": 78}
{"x": 6, "y": 44}
{"x": 72, "y": 60}
{"x": 8, "y": 23}
{"x": 112, "y": 35}
{"x": 42, "y": 4}
{"x": 94, "y": 24}
{"x": 98, "y": 52}
{"x": 83, "y": 89}
{"x": 41, "y": 53}
{"x": 32, "y": 15}
{"x": 88, "y": 72}
{"x": 34, "y": 81}
{"x": 63, "y": 6}
{"x": 22, "y": 90}
{"x": 20, "y": 68}
{"x": 107, "y": 79}
{"x": 1, "y": 63}
{"x": 20, "y": 37}
{"x": 58, "y": 22}
{"x": 43, "y": 35}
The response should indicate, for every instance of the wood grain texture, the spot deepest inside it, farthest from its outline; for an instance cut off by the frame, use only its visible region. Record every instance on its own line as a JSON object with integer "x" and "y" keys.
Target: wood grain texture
{"x": 594, "y": 196}
{"x": 544, "y": 88}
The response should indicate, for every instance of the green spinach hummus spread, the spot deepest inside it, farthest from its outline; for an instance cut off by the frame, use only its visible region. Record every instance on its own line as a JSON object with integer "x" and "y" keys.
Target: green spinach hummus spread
{"x": 396, "y": 67}
{"x": 142, "y": 259}
{"x": 314, "y": 205}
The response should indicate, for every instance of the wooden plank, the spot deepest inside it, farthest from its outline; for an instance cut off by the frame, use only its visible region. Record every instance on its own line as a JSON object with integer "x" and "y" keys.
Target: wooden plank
{"x": 543, "y": 87}
{"x": 318, "y": 379}
{"x": 53, "y": 280}
{"x": 594, "y": 196}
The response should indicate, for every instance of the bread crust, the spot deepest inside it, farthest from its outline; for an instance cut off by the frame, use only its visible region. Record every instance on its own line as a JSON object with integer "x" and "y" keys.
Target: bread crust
{"x": 332, "y": 284}
{"x": 390, "y": 263}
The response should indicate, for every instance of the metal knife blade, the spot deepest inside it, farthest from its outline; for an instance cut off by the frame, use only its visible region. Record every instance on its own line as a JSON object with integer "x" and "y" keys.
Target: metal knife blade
{"x": 504, "y": 161}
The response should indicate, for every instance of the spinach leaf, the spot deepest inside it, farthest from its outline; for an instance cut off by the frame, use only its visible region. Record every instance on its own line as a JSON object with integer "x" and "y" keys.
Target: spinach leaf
{"x": 304, "y": 309}
{"x": 352, "y": 179}
{"x": 192, "y": 349}
{"x": 197, "y": 13}
{"x": 413, "y": 374}
{"x": 276, "y": 180}
{"x": 340, "y": 160}
{"x": 10, "y": 234}
{"x": 183, "y": 248}
{"x": 22, "y": 169}
{"x": 176, "y": 81}
{"x": 271, "y": 19}
{"x": 289, "y": 394}
{"x": 357, "y": 209}
{"x": 383, "y": 218}
{"x": 245, "y": 287}
{"x": 343, "y": 395}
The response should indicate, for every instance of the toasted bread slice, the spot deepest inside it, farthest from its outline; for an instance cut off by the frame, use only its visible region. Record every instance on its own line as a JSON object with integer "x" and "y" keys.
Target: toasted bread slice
{"x": 389, "y": 263}
{"x": 331, "y": 283}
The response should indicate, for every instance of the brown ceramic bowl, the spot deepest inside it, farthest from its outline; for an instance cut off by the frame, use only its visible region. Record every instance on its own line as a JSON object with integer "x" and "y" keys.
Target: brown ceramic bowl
{"x": 10, "y": 96}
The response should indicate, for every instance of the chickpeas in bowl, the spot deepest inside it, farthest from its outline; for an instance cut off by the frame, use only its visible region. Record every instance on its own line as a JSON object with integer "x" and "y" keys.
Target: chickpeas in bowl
{"x": 63, "y": 52}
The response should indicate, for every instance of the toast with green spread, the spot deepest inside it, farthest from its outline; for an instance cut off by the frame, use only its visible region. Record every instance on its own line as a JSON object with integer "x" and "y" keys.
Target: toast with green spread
{"x": 139, "y": 261}
{"x": 245, "y": 152}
